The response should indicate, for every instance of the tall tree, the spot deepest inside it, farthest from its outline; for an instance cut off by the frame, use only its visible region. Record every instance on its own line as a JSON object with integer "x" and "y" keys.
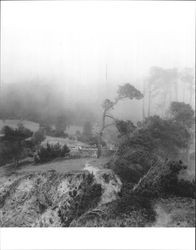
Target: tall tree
{"x": 143, "y": 102}
{"x": 183, "y": 114}
{"x": 126, "y": 91}
{"x": 162, "y": 83}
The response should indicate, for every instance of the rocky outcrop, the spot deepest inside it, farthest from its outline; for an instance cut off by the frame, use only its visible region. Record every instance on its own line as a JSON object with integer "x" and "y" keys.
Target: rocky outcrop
{"x": 52, "y": 199}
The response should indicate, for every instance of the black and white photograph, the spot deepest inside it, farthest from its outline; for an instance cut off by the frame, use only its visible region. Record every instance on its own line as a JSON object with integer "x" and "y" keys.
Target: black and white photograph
{"x": 97, "y": 114}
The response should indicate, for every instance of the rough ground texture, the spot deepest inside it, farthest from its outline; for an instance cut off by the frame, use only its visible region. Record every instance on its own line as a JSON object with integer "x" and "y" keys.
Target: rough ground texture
{"x": 106, "y": 216}
{"x": 54, "y": 199}
{"x": 170, "y": 212}
{"x": 92, "y": 197}
{"x": 175, "y": 212}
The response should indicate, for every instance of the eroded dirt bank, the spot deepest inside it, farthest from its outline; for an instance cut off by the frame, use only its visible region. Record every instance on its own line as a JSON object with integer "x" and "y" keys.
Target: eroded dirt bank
{"x": 54, "y": 199}
{"x": 87, "y": 198}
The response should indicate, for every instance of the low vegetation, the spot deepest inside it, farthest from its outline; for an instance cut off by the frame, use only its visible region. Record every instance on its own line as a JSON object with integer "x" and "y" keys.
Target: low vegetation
{"x": 13, "y": 145}
{"x": 50, "y": 152}
{"x": 90, "y": 194}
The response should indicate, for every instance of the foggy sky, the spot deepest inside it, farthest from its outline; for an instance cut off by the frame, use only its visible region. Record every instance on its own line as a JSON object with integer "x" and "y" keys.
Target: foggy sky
{"x": 70, "y": 43}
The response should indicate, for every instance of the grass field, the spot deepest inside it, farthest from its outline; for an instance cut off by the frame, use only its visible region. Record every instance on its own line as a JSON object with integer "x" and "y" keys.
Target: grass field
{"x": 62, "y": 165}
{"x": 13, "y": 123}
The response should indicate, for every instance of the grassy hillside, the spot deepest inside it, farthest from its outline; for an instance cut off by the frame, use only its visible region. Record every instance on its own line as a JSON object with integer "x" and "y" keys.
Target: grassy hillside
{"x": 13, "y": 123}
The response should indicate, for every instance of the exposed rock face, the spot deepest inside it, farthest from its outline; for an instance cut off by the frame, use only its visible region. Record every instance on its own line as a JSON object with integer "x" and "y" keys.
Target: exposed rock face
{"x": 54, "y": 199}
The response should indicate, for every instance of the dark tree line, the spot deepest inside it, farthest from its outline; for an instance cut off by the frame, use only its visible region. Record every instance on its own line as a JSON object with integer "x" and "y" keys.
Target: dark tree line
{"x": 13, "y": 146}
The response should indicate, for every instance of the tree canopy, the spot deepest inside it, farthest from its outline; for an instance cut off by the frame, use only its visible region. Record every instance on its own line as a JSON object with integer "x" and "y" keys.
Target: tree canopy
{"x": 13, "y": 143}
{"x": 125, "y": 91}
{"x": 182, "y": 113}
{"x": 129, "y": 91}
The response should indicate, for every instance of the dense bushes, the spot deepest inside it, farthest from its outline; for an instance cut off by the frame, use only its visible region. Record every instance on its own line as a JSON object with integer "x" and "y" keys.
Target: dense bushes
{"x": 165, "y": 138}
{"x": 50, "y": 152}
{"x": 91, "y": 197}
{"x": 129, "y": 202}
{"x": 87, "y": 197}
{"x": 163, "y": 181}
{"x": 172, "y": 185}
{"x": 130, "y": 165}
{"x": 182, "y": 188}
{"x": 13, "y": 146}
{"x": 38, "y": 137}
{"x": 55, "y": 132}
{"x": 158, "y": 183}
{"x": 128, "y": 173}
{"x": 182, "y": 113}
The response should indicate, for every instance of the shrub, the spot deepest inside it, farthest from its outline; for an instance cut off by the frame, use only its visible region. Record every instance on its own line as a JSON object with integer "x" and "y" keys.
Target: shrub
{"x": 125, "y": 127}
{"x": 185, "y": 188}
{"x": 13, "y": 145}
{"x": 48, "y": 130}
{"x": 182, "y": 113}
{"x": 127, "y": 173}
{"x": 90, "y": 198}
{"x": 50, "y": 152}
{"x": 192, "y": 156}
{"x": 131, "y": 165}
{"x": 58, "y": 133}
{"x": 129, "y": 202}
{"x": 171, "y": 185}
{"x": 38, "y": 137}
{"x": 163, "y": 181}
{"x": 83, "y": 199}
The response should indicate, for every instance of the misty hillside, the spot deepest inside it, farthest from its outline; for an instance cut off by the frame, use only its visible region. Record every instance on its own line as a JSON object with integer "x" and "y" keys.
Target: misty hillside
{"x": 97, "y": 114}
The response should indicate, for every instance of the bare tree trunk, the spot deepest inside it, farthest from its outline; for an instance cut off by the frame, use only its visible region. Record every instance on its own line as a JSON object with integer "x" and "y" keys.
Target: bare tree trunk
{"x": 99, "y": 139}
